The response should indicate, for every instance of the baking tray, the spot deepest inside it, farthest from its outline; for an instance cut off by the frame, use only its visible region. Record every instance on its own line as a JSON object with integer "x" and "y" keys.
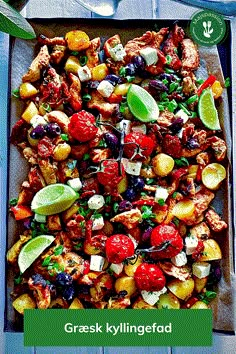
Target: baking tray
{"x": 22, "y": 53}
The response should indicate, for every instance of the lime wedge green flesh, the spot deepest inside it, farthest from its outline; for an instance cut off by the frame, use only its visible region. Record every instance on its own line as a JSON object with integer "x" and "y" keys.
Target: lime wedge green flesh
{"x": 32, "y": 250}
{"x": 53, "y": 199}
{"x": 141, "y": 104}
{"x": 207, "y": 110}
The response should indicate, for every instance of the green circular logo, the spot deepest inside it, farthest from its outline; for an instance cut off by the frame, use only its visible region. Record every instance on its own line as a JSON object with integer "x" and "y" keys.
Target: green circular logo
{"x": 207, "y": 28}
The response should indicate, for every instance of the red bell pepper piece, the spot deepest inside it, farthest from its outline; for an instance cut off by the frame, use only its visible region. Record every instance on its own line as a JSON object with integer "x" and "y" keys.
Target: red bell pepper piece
{"x": 21, "y": 212}
{"x": 207, "y": 83}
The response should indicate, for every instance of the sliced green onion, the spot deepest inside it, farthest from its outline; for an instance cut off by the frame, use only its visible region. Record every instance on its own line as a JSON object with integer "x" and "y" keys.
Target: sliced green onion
{"x": 16, "y": 93}
{"x": 86, "y": 97}
{"x": 65, "y": 137}
{"x": 199, "y": 81}
{"x": 169, "y": 71}
{"x": 179, "y": 89}
{"x": 115, "y": 207}
{"x": 168, "y": 59}
{"x": 172, "y": 105}
{"x": 161, "y": 202}
{"x": 130, "y": 78}
{"x": 161, "y": 107}
{"x": 173, "y": 86}
{"x": 13, "y": 202}
{"x": 122, "y": 71}
{"x": 183, "y": 107}
{"x": 46, "y": 106}
{"x": 165, "y": 81}
{"x": 192, "y": 99}
{"x": 163, "y": 96}
{"x": 86, "y": 157}
{"x": 83, "y": 60}
{"x": 193, "y": 115}
{"x": 74, "y": 53}
{"x": 227, "y": 82}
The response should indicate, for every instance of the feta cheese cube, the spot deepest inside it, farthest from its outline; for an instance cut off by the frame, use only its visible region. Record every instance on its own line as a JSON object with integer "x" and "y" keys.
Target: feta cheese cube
{"x": 96, "y": 202}
{"x": 105, "y": 88}
{"x": 161, "y": 193}
{"x": 180, "y": 259}
{"x": 151, "y": 297}
{"x": 124, "y": 125}
{"x": 201, "y": 269}
{"x": 181, "y": 114}
{"x": 96, "y": 262}
{"x": 98, "y": 223}
{"x": 191, "y": 243}
{"x": 132, "y": 167}
{"x": 117, "y": 268}
{"x": 40, "y": 218}
{"x": 118, "y": 52}
{"x": 75, "y": 183}
{"x": 149, "y": 54}
{"x": 38, "y": 120}
{"x": 84, "y": 73}
{"x": 140, "y": 129}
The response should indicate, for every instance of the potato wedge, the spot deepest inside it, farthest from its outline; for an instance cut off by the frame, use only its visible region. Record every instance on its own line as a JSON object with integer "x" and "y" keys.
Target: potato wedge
{"x": 181, "y": 289}
{"x": 23, "y": 302}
{"x": 211, "y": 251}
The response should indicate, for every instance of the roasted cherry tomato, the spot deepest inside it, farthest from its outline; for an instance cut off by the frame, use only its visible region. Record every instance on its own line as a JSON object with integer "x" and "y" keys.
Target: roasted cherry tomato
{"x": 149, "y": 277}
{"x": 118, "y": 248}
{"x": 82, "y": 126}
{"x": 167, "y": 241}
{"x": 142, "y": 146}
{"x": 21, "y": 212}
{"x": 110, "y": 174}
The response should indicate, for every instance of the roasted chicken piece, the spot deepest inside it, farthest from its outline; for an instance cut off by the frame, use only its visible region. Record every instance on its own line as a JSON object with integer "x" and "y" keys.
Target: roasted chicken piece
{"x": 181, "y": 273}
{"x": 129, "y": 219}
{"x": 201, "y": 200}
{"x": 103, "y": 107}
{"x": 41, "y": 291}
{"x": 75, "y": 98}
{"x": 58, "y": 53}
{"x": 214, "y": 221}
{"x": 121, "y": 303}
{"x": 218, "y": 146}
{"x": 51, "y": 41}
{"x": 201, "y": 231}
{"x": 60, "y": 118}
{"x": 48, "y": 170}
{"x": 190, "y": 56}
{"x": 148, "y": 39}
{"x": 39, "y": 63}
{"x": 170, "y": 46}
{"x": 92, "y": 52}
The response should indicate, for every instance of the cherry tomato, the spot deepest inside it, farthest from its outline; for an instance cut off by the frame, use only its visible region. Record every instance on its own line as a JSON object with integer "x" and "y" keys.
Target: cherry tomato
{"x": 118, "y": 248}
{"x": 82, "y": 126}
{"x": 149, "y": 277}
{"x": 110, "y": 175}
{"x": 167, "y": 241}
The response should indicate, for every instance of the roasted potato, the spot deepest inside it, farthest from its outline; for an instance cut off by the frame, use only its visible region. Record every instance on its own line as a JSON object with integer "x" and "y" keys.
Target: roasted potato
{"x": 23, "y": 302}
{"x": 181, "y": 289}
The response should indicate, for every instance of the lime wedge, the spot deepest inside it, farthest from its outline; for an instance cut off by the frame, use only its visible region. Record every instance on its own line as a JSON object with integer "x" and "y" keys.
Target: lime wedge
{"x": 53, "y": 199}
{"x": 141, "y": 104}
{"x": 212, "y": 175}
{"x": 207, "y": 110}
{"x": 32, "y": 250}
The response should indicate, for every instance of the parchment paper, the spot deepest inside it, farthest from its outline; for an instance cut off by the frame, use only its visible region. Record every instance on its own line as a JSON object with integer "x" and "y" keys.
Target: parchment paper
{"x": 22, "y": 54}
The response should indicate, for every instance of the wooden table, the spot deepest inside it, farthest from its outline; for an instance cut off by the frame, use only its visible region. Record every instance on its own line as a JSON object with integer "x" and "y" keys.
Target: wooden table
{"x": 12, "y": 343}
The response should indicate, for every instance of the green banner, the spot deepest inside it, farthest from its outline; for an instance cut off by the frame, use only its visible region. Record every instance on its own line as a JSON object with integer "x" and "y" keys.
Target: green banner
{"x": 93, "y": 327}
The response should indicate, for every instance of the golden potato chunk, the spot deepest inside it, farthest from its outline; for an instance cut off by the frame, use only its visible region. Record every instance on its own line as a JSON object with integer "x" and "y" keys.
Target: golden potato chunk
{"x": 77, "y": 40}
{"x": 23, "y": 302}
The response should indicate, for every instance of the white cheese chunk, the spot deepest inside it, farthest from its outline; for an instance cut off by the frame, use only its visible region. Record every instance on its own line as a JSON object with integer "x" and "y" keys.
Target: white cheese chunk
{"x": 96, "y": 262}
{"x": 38, "y": 120}
{"x": 84, "y": 73}
{"x": 96, "y": 201}
{"x": 98, "y": 223}
{"x": 140, "y": 129}
{"x": 132, "y": 167}
{"x": 75, "y": 183}
{"x": 117, "y": 268}
{"x": 40, "y": 218}
{"x": 180, "y": 133}
{"x": 118, "y": 52}
{"x": 180, "y": 259}
{"x": 161, "y": 193}
{"x": 124, "y": 125}
{"x": 191, "y": 243}
{"x": 181, "y": 114}
{"x": 201, "y": 269}
{"x": 151, "y": 297}
{"x": 105, "y": 88}
{"x": 149, "y": 54}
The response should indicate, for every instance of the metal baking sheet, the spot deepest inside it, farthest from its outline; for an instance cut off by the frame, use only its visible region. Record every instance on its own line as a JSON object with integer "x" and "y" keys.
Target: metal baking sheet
{"x": 22, "y": 53}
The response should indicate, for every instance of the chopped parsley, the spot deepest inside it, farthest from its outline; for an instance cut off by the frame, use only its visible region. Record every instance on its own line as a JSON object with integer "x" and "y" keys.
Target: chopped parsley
{"x": 58, "y": 250}
{"x": 147, "y": 212}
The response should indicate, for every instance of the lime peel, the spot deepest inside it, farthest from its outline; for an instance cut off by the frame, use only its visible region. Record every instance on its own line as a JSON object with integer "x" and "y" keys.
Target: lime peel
{"x": 32, "y": 250}
{"x": 53, "y": 199}
{"x": 207, "y": 110}
{"x": 141, "y": 104}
